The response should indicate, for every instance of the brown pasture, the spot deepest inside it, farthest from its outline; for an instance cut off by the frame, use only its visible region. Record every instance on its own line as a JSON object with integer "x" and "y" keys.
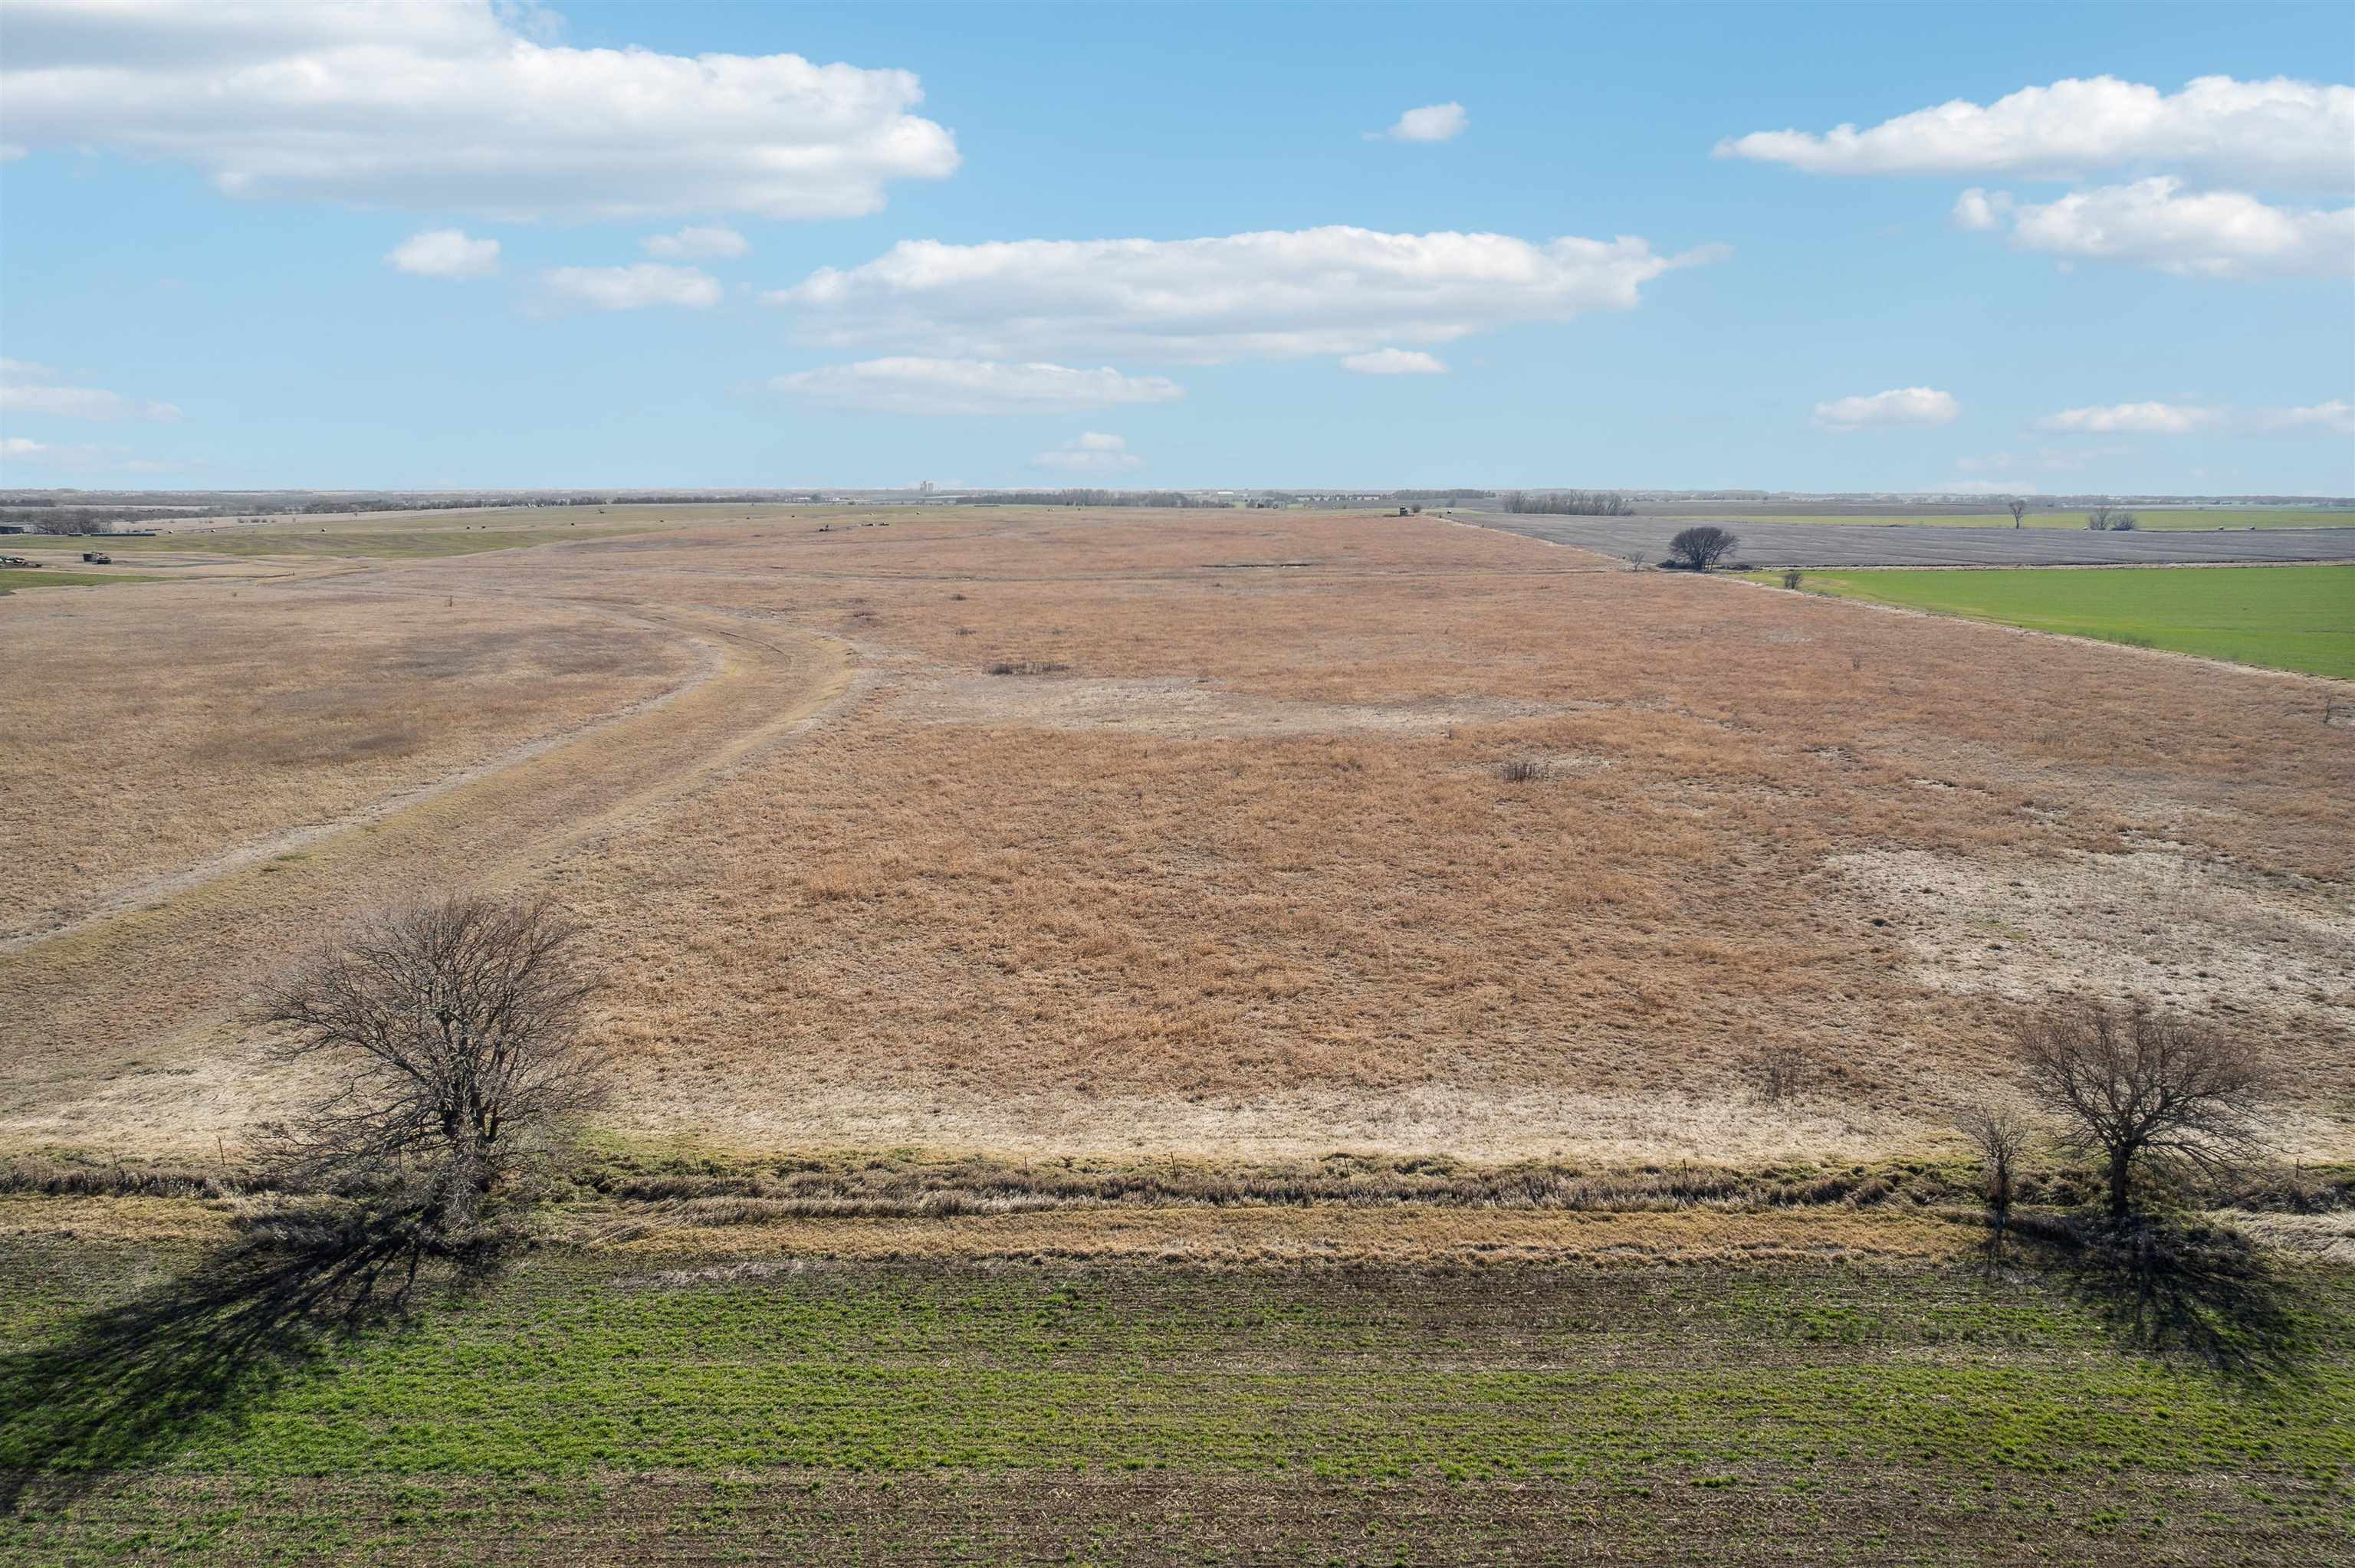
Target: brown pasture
{"x": 1433, "y": 839}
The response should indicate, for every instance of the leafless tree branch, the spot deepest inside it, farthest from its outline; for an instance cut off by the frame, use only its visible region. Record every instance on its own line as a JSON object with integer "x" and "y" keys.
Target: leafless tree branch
{"x": 452, "y": 1030}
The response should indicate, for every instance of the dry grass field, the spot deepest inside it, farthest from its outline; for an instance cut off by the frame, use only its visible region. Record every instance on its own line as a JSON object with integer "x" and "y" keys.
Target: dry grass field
{"x": 1155, "y": 1038}
{"x": 1228, "y": 863}
{"x": 151, "y": 731}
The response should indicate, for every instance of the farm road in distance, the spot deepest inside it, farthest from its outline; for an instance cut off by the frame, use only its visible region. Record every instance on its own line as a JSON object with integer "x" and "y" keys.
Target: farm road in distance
{"x": 1846, "y": 545}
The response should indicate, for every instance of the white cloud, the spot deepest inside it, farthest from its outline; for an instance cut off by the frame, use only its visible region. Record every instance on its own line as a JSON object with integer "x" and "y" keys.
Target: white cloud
{"x": 29, "y": 388}
{"x": 444, "y": 253}
{"x": 1278, "y": 294}
{"x": 2156, "y": 223}
{"x": 1980, "y": 211}
{"x": 1432, "y": 122}
{"x": 2134, "y": 418}
{"x": 1092, "y": 453}
{"x": 2047, "y": 460}
{"x": 1899, "y": 406}
{"x": 2337, "y": 416}
{"x": 630, "y": 288}
{"x": 82, "y": 457}
{"x": 2272, "y": 132}
{"x": 460, "y": 105}
{"x": 2334, "y": 418}
{"x": 915, "y": 384}
{"x": 1395, "y": 362}
{"x": 704, "y": 243}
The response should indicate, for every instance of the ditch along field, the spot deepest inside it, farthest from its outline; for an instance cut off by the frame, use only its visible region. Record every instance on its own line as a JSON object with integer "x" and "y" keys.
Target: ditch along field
{"x": 2288, "y": 618}
{"x": 1113, "y": 1066}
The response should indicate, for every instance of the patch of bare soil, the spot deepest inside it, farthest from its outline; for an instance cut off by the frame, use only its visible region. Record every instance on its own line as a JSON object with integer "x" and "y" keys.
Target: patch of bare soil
{"x": 2244, "y": 949}
{"x": 1186, "y": 708}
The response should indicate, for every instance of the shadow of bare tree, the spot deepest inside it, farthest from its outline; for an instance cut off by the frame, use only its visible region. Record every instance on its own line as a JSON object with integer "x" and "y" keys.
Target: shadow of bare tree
{"x": 130, "y": 1384}
{"x": 2191, "y": 1291}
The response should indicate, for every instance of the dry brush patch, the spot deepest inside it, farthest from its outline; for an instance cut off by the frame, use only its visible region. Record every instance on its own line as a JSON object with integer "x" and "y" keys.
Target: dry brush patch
{"x": 144, "y": 738}
{"x": 676, "y": 1255}
{"x": 1245, "y": 877}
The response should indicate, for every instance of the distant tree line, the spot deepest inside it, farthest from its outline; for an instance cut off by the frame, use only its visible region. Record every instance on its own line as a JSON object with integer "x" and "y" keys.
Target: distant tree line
{"x": 731, "y": 498}
{"x": 1086, "y": 498}
{"x": 1428, "y": 495}
{"x": 63, "y": 520}
{"x": 1570, "y": 502}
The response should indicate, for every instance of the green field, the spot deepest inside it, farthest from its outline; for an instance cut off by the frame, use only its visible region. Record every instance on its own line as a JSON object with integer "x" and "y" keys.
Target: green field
{"x": 2218, "y": 517}
{"x": 16, "y": 577}
{"x": 2288, "y": 618}
{"x": 333, "y": 541}
{"x": 585, "y": 1412}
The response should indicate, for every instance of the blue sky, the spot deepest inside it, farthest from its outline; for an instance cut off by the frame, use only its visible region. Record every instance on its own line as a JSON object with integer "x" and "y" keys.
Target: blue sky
{"x": 2126, "y": 285}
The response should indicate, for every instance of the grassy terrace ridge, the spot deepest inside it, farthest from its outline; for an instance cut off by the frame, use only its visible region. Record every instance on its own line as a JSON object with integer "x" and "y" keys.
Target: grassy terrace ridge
{"x": 2286, "y": 617}
{"x": 15, "y": 578}
{"x": 650, "y": 1403}
{"x": 2161, "y": 519}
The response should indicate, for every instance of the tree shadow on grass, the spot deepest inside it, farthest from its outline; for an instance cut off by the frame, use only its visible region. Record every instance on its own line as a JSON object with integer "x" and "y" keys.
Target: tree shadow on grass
{"x": 129, "y": 1386}
{"x": 2191, "y": 1292}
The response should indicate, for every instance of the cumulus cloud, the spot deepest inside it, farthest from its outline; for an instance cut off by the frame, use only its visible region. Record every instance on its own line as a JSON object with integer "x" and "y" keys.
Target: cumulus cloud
{"x": 1979, "y": 211}
{"x": 2336, "y": 417}
{"x": 1899, "y": 406}
{"x": 1395, "y": 362}
{"x": 2157, "y": 223}
{"x": 29, "y": 388}
{"x": 444, "y": 253}
{"x": 1278, "y": 294}
{"x": 2134, "y": 418}
{"x": 2333, "y": 417}
{"x": 460, "y": 105}
{"x": 630, "y": 288}
{"x": 2277, "y": 131}
{"x": 83, "y": 457}
{"x": 706, "y": 243}
{"x": 915, "y": 384}
{"x": 1432, "y": 122}
{"x": 1092, "y": 453}
{"x": 2046, "y": 460}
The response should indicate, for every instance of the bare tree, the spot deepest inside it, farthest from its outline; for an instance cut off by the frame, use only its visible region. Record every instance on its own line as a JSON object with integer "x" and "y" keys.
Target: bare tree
{"x": 74, "y": 524}
{"x": 2002, "y": 1134}
{"x": 2098, "y": 518}
{"x": 2019, "y": 510}
{"x": 1703, "y": 545}
{"x": 2135, "y": 1085}
{"x": 451, "y": 1032}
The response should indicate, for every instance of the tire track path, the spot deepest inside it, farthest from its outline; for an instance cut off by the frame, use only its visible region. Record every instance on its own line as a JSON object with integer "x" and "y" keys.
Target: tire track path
{"x": 122, "y": 1021}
